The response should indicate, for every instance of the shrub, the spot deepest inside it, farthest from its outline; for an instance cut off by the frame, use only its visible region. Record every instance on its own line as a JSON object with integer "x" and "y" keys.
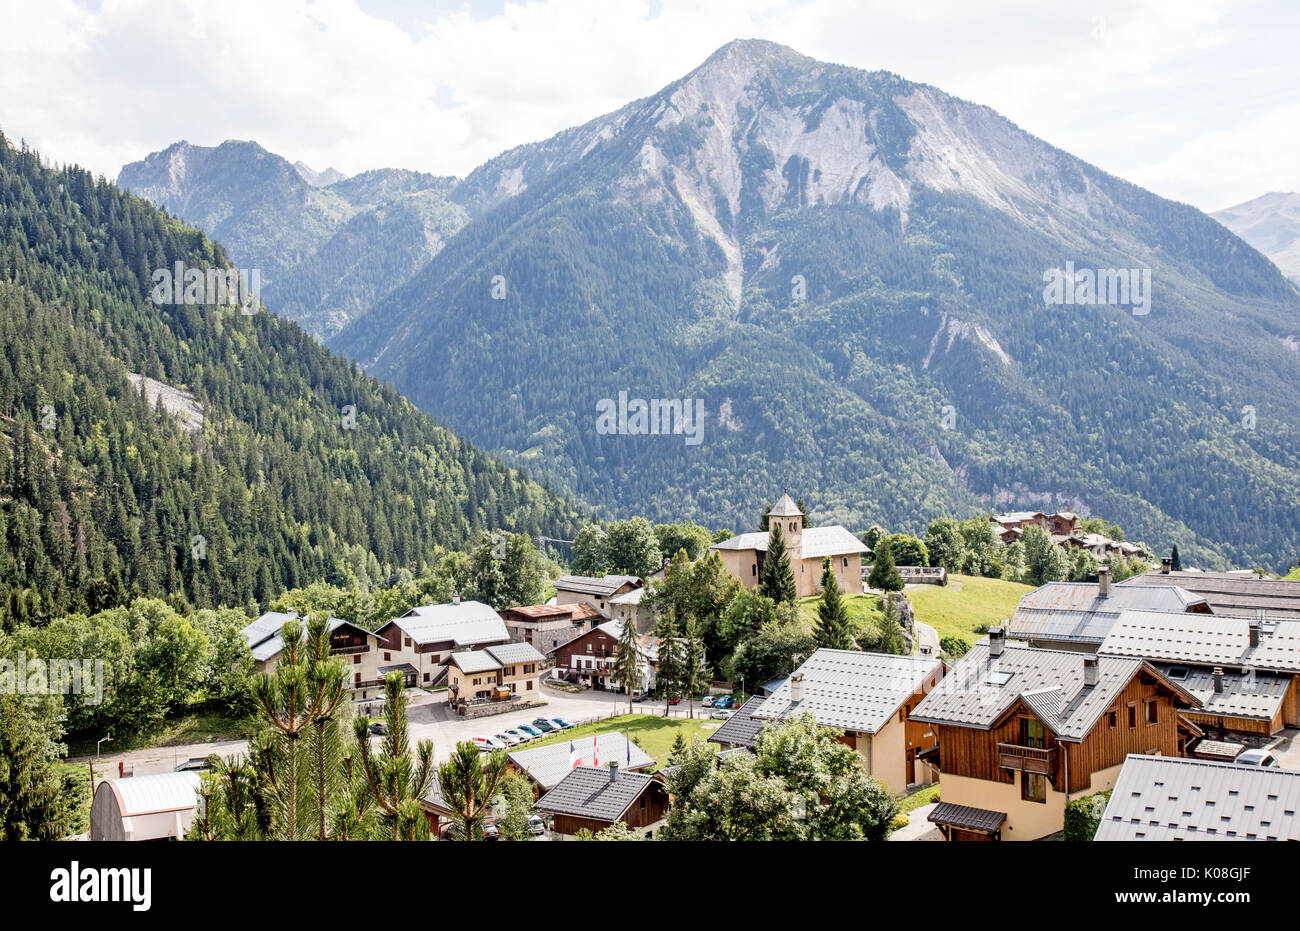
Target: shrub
{"x": 1083, "y": 815}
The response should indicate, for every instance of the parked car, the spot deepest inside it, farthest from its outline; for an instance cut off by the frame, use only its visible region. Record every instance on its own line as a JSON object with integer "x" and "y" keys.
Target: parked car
{"x": 528, "y": 729}
{"x": 506, "y": 739}
{"x": 487, "y": 744}
{"x": 561, "y": 723}
{"x": 708, "y": 701}
{"x": 724, "y": 701}
{"x": 378, "y": 727}
{"x": 491, "y": 832}
{"x": 536, "y": 825}
{"x": 1256, "y": 758}
{"x": 543, "y": 725}
{"x": 675, "y": 700}
{"x": 720, "y": 714}
{"x": 642, "y": 696}
{"x": 518, "y": 734}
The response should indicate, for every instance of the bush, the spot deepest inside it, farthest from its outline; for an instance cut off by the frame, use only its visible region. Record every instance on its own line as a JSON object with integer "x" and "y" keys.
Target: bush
{"x": 1083, "y": 815}
{"x": 901, "y": 821}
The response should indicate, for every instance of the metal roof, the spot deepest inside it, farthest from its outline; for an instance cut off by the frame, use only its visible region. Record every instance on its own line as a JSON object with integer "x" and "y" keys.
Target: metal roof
{"x": 267, "y": 625}
{"x": 980, "y": 690}
{"x": 632, "y": 597}
{"x": 472, "y": 661}
{"x": 967, "y": 818}
{"x": 816, "y": 542}
{"x": 1245, "y": 695}
{"x": 467, "y": 623}
{"x": 587, "y": 792}
{"x": 1170, "y": 798}
{"x": 742, "y": 727}
{"x": 1205, "y": 640}
{"x": 785, "y": 508}
{"x": 853, "y": 689}
{"x": 271, "y": 644}
{"x": 1077, "y": 612}
{"x": 1233, "y": 592}
{"x": 142, "y": 795}
{"x": 509, "y": 653}
{"x": 595, "y": 585}
{"x": 549, "y": 764}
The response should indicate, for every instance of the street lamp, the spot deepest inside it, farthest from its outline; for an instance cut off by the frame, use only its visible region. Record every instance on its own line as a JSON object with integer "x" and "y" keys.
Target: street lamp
{"x": 98, "y": 744}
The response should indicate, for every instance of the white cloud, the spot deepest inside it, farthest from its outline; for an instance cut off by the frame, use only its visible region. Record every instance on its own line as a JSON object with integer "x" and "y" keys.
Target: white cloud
{"x": 1193, "y": 99}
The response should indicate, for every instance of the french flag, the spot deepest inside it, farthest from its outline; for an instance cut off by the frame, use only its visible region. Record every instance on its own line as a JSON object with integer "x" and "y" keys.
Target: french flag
{"x": 595, "y": 752}
{"x": 575, "y": 759}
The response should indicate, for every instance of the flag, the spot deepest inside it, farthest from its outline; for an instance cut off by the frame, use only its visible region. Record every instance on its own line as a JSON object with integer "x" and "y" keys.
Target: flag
{"x": 628, "y": 741}
{"x": 575, "y": 759}
{"x": 595, "y": 752}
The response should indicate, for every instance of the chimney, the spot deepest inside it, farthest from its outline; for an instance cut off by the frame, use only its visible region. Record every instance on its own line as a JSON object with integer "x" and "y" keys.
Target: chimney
{"x": 1166, "y": 564}
{"x": 796, "y": 688}
{"x": 1253, "y": 625}
{"x": 1091, "y": 671}
{"x": 1218, "y": 679}
{"x": 455, "y": 599}
{"x": 1103, "y": 581}
{"x": 613, "y": 771}
{"x": 997, "y": 640}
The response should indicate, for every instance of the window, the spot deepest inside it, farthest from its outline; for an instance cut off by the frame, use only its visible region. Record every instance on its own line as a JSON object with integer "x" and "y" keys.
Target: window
{"x": 1110, "y": 719}
{"x": 1032, "y": 733}
{"x": 1033, "y": 787}
{"x": 846, "y": 562}
{"x": 1132, "y": 716}
{"x": 426, "y": 677}
{"x": 406, "y": 641}
{"x": 1153, "y": 713}
{"x": 356, "y": 658}
{"x": 530, "y": 685}
{"x": 753, "y": 570}
{"x": 387, "y": 655}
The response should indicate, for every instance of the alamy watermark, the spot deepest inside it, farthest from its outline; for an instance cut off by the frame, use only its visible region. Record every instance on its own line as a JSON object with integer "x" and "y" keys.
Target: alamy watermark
{"x": 653, "y": 417}
{"x": 31, "y": 675}
{"x": 231, "y": 287}
{"x": 1090, "y": 286}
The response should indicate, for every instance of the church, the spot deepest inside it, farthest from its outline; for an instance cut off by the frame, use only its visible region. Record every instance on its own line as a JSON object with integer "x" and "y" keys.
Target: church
{"x": 744, "y": 554}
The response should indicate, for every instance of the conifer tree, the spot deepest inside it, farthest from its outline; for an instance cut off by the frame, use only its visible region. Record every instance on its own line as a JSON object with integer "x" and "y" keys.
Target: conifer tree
{"x": 627, "y": 661}
{"x": 832, "y": 629}
{"x": 777, "y": 580}
{"x": 396, "y": 778}
{"x": 884, "y": 575}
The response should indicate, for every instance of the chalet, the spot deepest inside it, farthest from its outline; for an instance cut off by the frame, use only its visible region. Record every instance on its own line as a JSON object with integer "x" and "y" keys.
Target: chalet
{"x": 1024, "y": 730}
{"x": 589, "y": 657}
{"x": 360, "y": 647}
{"x": 425, "y": 637}
{"x": 1078, "y": 615}
{"x": 627, "y": 608}
{"x": 545, "y": 766}
{"x": 1013, "y": 523}
{"x": 502, "y": 673}
{"x": 596, "y": 591}
{"x": 1158, "y": 798}
{"x": 595, "y": 799}
{"x": 742, "y": 728}
{"x": 744, "y": 554}
{"x": 1243, "y": 670}
{"x": 868, "y": 696}
{"x": 548, "y": 626}
{"x": 1234, "y": 593}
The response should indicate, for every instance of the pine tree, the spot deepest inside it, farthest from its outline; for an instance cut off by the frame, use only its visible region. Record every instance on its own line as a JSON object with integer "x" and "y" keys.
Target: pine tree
{"x": 695, "y": 674}
{"x": 469, "y": 785}
{"x": 627, "y": 661}
{"x": 396, "y": 778}
{"x": 884, "y": 575}
{"x": 777, "y": 581}
{"x": 832, "y": 629}
{"x": 1176, "y": 561}
{"x": 668, "y": 667}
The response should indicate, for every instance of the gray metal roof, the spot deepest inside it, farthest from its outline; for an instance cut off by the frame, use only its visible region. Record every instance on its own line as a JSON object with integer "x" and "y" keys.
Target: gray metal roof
{"x": 1205, "y": 640}
{"x": 267, "y": 625}
{"x": 587, "y": 792}
{"x": 979, "y": 690}
{"x": 1170, "y": 798}
{"x": 816, "y": 542}
{"x": 1233, "y": 592}
{"x": 853, "y": 689}
{"x": 1245, "y": 694}
{"x": 1077, "y": 612}
{"x": 268, "y": 645}
{"x": 472, "y": 661}
{"x": 549, "y": 764}
{"x": 595, "y": 585}
{"x": 785, "y": 507}
{"x": 967, "y": 817}
{"x": 518, "y": 652}
{"x": 466, "y": 624}
{"x": 742, "y": 727}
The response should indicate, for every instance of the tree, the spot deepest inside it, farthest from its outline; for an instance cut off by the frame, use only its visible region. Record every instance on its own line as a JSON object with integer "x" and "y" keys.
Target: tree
{"x": 953, "y": 646}
{"x": 907, "y": 550}
{"x": 512, "y": 806}
{"x": 695, "y": 673}
{"x": 873, "y": 535}
{"x": 735, "y": 802}
{"x": 981, "y": 543}
{"x": 627, "y": 662}
{"x": 884, "y": 575}
{"x": 34, "y": 803}
{"x": 668, "y": 665}
{"x": 890, "y": 639}
{"x": 743, "y": 618}
{"x": 1044, "y": 560}
{"x": 631, "y": 548}
{"x": 773, "y": 650}
{"x": 945, "y": 545}
{"x": 777, "y": 579}
{"x": 832, "y": 629}
{"x": 396, "y": 778}
{"x": 1176, "y": 561}
{"x": 589, "y": 551}
{"x": 469, "y": 785}
{"x": 692, "y": 538}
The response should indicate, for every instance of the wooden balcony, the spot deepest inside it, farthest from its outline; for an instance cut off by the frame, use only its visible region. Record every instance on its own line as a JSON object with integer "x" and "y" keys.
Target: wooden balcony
{"x": 1027, "y": 759}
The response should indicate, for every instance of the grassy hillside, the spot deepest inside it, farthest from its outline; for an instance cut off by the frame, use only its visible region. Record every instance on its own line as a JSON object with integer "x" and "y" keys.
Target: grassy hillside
{"x": 964, "y": 604}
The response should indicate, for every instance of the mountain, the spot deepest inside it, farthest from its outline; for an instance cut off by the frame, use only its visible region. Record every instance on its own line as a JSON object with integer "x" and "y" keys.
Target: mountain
{"x": 848, "y": 269}
{"x": 327, "y": 247}
{"x": 1270, "y": 223}
{"x": 180, "y": 447}
{"x": 318, "y": 178}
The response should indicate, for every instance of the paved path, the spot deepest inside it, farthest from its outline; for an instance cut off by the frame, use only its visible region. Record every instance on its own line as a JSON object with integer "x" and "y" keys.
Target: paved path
{"x": 918, "y": 828}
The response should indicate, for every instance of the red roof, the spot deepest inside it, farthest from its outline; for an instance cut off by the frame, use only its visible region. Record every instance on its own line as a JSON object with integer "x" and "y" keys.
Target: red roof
{"x": 574, "y": 612}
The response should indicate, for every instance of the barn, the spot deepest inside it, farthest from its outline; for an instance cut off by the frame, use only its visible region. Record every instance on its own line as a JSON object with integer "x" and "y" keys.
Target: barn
{"x": 155, "y": 807}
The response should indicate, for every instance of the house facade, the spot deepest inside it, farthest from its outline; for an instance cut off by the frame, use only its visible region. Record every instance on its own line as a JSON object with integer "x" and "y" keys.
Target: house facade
{"x": 596, "y": 591}
{"x": 593, "y": 799}
{"x": 503, "y": 673}
{"x": 425, "y": 637}
{"x": 357, "y": 647}
{"x": 1023, "y": 730}
{"x": 589, "y": 657}
{"x": 548, "y": 626}
{"x": 744, "y": 554}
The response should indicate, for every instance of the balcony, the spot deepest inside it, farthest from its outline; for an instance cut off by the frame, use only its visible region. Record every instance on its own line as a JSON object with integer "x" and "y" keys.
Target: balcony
{"x": 1027, "y": 759}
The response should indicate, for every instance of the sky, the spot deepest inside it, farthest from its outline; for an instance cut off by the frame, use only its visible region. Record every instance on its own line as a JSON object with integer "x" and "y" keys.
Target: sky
{"x": 1197, "y": 100}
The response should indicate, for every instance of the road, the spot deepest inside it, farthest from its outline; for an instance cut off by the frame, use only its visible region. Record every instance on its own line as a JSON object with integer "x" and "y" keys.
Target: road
{"x": 428, "y": 719}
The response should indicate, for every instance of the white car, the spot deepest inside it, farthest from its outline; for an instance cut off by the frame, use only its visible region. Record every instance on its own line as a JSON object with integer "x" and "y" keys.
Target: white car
{"x": 536, "y": 825}
{"x": 707, "y": 702}
{"x": 505, "y": 739}
{"x": 1256, "y": 758}
{"x": 488, "y": 744}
